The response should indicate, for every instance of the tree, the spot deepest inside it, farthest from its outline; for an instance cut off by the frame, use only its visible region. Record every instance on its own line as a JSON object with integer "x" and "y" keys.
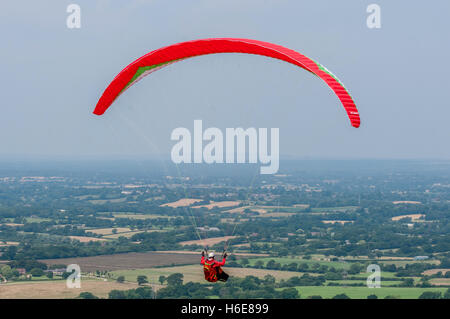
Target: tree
{"x": 142, "y": 280}
{"x": 269, "y": 280}
{"x": 292, "y": 267}
{"x": 49, "y": 274}
{"x": 250, "y": 283}
{"x": 408, "y": 282}
{"x": 446, "y": 294}
{"x": 244, "y": 262}
{"x": 431, "y": 295}
{"x": 372, "y": 297}
{"x": 37, "y": 272}
{"x": 10, "y": 253}
{"x": 87, "y": 295}
{"x": 7, "y": 272}
{"x": 175, "y": 279}
{"x": 341, "y": 296}
{"x": 120, "y": 279}
{"x": 168, "y": 292}
{"x": 141, "y": 293}
{"x": 289, "y": 293}
{"x": 271, "y": 264}
{"x": 303, "y": 267}
{"x": 355, "y": 269}
{"x": 66, "y": 274}
{"x": 116, "y": 294}
{"x": 333, "y": 276}
{"x": 162, "y": 279}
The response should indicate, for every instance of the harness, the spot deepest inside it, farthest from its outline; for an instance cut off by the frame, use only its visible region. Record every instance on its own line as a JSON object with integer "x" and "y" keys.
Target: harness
{"x": 210, "y": 271}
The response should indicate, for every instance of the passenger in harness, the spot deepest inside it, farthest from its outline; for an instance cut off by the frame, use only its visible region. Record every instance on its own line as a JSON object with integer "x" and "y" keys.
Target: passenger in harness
{"x": 212, "y": 268}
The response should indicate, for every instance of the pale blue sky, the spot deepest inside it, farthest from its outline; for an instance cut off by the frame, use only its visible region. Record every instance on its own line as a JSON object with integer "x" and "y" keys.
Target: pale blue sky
{"x": 52, "y": 77}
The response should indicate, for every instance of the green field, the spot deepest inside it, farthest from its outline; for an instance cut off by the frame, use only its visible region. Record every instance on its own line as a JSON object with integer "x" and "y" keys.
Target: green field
{"x": 141, "y": 216}
{"x": 107, "y": 201}
{"x": 384, "y": 283}
{"x": 338, "y": 264}
{"x": 125, "y": 234}
{"x": 298, "y": 260}
{"x": 402, "y": 263}
{"x": 363, "y": 292}
{"x": 384, "y": 274}
{"x": 281, "y": 209}
{"x": 37, "y": 219}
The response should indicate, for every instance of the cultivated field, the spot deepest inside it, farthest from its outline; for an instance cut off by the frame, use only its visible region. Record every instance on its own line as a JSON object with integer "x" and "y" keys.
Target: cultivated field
{"x": 128, "y": 234}
{"x": 440, "y": 282}
{"x": 8, "y": 243}
{"x": 262, "y": 210}
{"x": 197, "y": 253}
{"x": 412, "y": 216}
{"x": 207, "y": 241}
{"x": 238, "y": 210}
{"x": 108, "y": 231}
{"x": 126, "y": 261}
{"x": 86, "y": 239}
{"x": 430, "y": 272}
{"x": 182, "y": 202}
{"x": 57, "y": 289}
{"x": 219, "y": 204}
{"x": 406, "y": 202}
{"x": 139, "y": 216}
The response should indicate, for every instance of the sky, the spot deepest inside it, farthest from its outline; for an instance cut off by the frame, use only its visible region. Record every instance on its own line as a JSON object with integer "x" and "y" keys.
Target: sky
{"x": 53, "y": 76}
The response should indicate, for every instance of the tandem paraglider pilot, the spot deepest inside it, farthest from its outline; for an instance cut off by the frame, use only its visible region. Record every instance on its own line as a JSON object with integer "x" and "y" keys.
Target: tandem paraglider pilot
{"x": 212, "y": 268}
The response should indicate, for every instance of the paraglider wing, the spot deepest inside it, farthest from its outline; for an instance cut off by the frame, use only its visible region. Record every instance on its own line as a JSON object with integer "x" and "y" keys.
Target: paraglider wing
{"x": 162, "y": 57}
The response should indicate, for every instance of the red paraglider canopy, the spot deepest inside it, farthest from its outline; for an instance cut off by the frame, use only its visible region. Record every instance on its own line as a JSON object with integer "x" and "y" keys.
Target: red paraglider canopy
{"x": 159, "y": 58}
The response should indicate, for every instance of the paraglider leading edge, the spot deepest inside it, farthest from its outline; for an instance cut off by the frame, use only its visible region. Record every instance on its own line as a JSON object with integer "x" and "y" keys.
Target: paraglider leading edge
{"x": 162, "y": 57}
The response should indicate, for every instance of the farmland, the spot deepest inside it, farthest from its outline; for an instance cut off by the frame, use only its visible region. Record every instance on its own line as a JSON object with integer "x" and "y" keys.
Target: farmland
{"x": 194, "y": 273}
{"x": 125, "y": 261}
{"x": 414, "y": 217}
{"x": 85, "y": 239}
{"x": 297, "y": 260}
{"x": 58, "y": 290}
{"x": 207, "y": 241}
{"x": 363, "y": 292}
{"x": 182, "y": 202}
{"x": 219, "y": 204}
{"x": 138, "y": 216}
{"x": 293, "y": 230}
{"x": 109, "y": 231}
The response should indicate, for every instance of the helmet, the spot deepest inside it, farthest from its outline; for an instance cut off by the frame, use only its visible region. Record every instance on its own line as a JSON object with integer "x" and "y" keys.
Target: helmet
{"x": 211, "y": 255}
